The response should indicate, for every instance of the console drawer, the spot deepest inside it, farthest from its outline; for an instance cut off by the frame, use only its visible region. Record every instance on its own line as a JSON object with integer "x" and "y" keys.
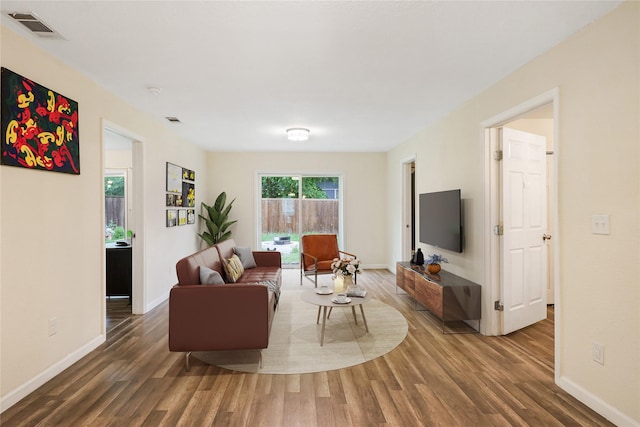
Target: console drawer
{"x": 430, "y": 295}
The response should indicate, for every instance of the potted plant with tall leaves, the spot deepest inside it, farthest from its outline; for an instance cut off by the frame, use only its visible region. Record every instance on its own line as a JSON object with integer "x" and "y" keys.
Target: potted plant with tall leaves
{"x": 218, "y": 222}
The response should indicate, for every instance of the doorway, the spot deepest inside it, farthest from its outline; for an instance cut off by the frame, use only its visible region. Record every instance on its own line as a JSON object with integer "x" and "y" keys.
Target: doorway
{"x": 408, "y": 231}
{"x": 123, "y": 288}
{"x": 117, "y": 239}
{"x": 538, "y": 115}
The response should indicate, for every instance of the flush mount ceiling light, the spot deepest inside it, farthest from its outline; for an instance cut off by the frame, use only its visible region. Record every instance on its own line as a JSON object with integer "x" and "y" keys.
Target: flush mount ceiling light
{"x": 154, "y": 90}
{"x": 298, "y": 134}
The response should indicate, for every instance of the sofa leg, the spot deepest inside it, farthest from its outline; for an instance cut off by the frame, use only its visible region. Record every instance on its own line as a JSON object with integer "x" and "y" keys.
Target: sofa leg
{"x": 187, "y": 355}
{"x": 260, "y": 358}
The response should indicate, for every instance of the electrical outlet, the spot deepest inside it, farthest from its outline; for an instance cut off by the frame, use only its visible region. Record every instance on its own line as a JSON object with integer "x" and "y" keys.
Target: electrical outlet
{"x": 597, "y": 353}
{"x": 53, "y": 326}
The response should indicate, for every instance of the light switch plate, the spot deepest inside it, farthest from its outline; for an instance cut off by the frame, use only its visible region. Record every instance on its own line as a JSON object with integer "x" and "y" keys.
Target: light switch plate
{"x": 600, "y": 224}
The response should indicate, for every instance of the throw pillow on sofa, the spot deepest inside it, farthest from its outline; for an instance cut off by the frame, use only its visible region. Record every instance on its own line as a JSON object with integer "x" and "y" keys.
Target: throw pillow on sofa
{"x": 210, "y": 277}
{"x": 233, "y": 268}
{"x": 246, "y": 256}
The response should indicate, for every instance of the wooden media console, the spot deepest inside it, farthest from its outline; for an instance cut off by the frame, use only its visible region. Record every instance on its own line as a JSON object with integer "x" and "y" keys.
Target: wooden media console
{"x": 447, "y": 296}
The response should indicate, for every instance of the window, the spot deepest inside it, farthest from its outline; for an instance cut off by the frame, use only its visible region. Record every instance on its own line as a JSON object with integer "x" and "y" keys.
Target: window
{"x": 292, "y": 205}
{"x": 115, "y": 205}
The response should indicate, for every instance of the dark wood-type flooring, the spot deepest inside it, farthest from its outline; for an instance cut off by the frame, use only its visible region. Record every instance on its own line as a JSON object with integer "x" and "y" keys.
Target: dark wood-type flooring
{"x": 431, "y": 379}
{"x": 118, "y": 313}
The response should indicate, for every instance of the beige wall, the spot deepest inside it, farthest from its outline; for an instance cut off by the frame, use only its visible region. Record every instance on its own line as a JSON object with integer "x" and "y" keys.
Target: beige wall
{"x": 57, "y": 218}
{"x": 364, "y": 193}
{"x": 597, "y": 72}
{"x": 51, "y": 230}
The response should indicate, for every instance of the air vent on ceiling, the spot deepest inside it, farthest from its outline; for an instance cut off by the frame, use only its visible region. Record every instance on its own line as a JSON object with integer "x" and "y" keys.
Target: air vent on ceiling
{"x": 35, "y": 24}
{"x": 173, "y": 119}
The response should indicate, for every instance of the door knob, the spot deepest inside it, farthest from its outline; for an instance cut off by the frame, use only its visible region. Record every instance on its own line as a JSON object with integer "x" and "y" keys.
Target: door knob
{"x": 546, "y": 237}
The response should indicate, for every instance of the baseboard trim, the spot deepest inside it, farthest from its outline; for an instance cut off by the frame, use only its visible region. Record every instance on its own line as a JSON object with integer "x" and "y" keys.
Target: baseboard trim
{"x": 374, "y": 267}
{"x": 33, "y": 384}
{"x": 156, "y": 302}
{"x": 598, "y": 405}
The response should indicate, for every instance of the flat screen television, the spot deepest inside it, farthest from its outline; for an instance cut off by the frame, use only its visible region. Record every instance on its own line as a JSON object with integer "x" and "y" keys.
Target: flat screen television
{"x": 441, "y": 219}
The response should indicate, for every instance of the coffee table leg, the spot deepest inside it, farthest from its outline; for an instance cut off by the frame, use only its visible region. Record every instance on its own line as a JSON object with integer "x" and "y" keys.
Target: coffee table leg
{"x": 318, "y": 319}
{"x": 353, "y": 310}
{"x": 324, "y": 322}
{"x": 364, "y": 319}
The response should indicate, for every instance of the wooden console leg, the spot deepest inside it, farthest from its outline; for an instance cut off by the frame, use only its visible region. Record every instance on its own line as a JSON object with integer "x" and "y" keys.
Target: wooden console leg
{"x": 186, "y": 359}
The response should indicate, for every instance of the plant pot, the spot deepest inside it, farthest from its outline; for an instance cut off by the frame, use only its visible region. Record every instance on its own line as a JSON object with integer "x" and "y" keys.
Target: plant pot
{"x": 433, "y": 268}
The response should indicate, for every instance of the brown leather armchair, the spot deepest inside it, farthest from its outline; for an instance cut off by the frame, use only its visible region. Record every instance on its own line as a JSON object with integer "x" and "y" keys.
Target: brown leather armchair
{"x": 317, "y": 254}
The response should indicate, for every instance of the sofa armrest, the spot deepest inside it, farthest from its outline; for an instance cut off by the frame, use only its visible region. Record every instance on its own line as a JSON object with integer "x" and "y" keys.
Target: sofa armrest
{"x": 218, "y": 317}
{"x": 268, "y": 258}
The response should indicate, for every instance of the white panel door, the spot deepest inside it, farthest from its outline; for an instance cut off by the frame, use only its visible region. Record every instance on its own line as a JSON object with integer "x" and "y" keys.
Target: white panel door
{"x": 524, "y": 217}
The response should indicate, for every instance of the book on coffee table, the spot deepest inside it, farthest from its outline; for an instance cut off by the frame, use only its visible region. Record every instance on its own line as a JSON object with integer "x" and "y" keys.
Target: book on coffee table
{"x": 356, "y": 292}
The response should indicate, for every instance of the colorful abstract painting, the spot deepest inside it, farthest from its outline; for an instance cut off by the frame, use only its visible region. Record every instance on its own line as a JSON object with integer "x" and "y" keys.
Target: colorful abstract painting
{"x": 40, "y": 128}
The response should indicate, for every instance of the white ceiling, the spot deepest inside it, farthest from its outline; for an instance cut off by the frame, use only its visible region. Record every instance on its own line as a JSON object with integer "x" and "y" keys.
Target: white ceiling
{"x": 362, "y": 76}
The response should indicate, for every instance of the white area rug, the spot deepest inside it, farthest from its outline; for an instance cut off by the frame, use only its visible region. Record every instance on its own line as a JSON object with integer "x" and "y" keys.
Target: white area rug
{"x": 294, "y": 344}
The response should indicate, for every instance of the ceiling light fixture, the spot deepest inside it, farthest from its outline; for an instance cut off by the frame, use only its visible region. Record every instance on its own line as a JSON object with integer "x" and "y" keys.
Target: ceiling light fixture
{"x": 298, "y": 134}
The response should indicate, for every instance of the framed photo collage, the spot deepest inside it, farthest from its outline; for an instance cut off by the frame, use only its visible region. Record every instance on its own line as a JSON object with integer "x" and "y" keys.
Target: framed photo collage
{"x": 181, "y": 196}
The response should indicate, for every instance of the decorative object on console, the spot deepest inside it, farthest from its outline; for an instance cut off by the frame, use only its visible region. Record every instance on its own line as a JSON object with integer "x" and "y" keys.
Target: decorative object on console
{"x": 40, "y": 126}
{"x": 433, "y": 263}
{"x": 433, "y": 268}
{"x": 418, "y": 257}
{"x": 217, "y": 224}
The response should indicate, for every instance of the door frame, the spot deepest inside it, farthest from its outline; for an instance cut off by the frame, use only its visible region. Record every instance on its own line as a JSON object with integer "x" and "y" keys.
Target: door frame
{"x": 492, "y": 319}
{"x": 136, "y": 220}
{"x": 406, "y": 206}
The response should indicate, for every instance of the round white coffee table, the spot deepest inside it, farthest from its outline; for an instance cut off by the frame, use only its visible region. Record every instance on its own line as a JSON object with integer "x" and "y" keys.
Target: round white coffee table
{"x": 324, "y": 301}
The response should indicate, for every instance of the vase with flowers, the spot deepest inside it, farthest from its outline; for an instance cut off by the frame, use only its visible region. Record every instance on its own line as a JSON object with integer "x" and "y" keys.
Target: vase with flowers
{"x": 344, "y": 270}
{"x": 433, "y": 263}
